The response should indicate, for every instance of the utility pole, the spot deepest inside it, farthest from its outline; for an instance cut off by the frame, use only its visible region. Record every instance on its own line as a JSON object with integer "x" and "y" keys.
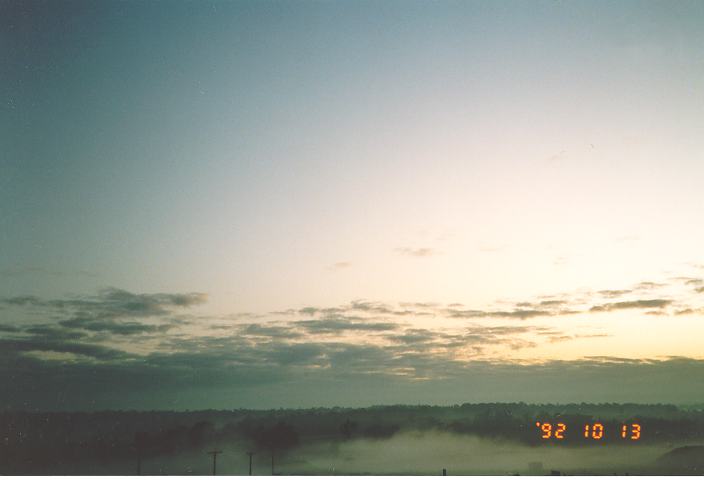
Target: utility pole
{"x": 250, "y": 462}
{"x": 214, "y": 453}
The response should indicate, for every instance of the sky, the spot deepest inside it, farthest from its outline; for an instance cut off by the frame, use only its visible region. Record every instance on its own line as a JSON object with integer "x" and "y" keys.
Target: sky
{"x": 223, "y": 204}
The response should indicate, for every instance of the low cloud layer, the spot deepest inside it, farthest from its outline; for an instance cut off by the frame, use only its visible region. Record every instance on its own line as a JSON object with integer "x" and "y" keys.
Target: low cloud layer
{"x": 118, "y": 349}
{"x": 654, "y": 303}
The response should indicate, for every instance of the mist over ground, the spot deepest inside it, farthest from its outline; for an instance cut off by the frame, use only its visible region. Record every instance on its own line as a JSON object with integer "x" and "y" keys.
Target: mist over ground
{"x": 498, "y": 439}
{"x": 427, "y": 453}
{"x": 413, "y": 453}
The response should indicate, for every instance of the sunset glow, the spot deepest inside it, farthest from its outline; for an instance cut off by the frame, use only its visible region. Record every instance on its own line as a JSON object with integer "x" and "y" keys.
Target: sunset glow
{"x": 245, "y": 204}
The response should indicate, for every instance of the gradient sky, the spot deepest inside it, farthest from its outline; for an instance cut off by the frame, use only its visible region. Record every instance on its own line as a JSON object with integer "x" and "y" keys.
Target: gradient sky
{"x": 223, "y": 204}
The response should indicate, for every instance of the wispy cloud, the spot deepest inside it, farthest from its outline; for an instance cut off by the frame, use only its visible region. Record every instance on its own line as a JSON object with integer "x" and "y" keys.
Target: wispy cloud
{"x": 517, "y": 313}
{"x": 655, "y": 303}
{"x": 658, "y": 297}
{"x": 416, "y": 252}
{"x": 112, "y": 310}
{"x": 116, "y": 302}
{"x": 649, "y": 285}
{"x": 614, "y": 293}
{"x": 338, "y": 324}
{"x": 339, "y": 266}
{"x": 689, "y": 280}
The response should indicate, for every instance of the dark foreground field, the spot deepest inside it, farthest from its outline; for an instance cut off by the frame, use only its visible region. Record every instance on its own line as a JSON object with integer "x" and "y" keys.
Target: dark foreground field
{"x": 464, "y": 439}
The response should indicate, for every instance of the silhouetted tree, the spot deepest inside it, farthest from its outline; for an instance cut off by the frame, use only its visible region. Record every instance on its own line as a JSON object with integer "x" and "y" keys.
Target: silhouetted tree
{"x": 280, "y": 437}
{"x": 380, "y": 430}
{"x": 348, "y": 428}
{"x": 200, "y": 432}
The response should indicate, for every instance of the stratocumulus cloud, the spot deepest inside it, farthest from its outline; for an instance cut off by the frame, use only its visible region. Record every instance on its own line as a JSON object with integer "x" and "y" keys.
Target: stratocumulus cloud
{"x": 74, "y": 348}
